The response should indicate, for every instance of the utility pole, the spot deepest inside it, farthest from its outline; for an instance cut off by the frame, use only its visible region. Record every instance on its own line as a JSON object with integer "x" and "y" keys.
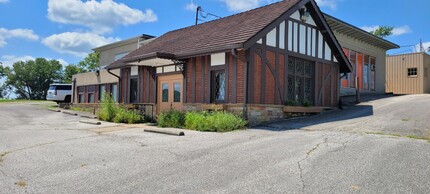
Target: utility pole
{"x": 421, "y": 46}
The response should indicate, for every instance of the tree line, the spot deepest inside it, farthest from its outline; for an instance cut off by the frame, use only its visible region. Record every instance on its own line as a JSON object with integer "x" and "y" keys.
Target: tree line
{"x": 31, "y": 79}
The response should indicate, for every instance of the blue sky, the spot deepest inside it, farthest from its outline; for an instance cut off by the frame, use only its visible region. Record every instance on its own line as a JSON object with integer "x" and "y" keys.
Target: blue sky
{"x": 66, "y": 30}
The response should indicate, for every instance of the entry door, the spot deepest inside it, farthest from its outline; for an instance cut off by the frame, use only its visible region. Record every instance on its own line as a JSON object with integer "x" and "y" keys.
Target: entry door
{"x": 169, "y": 92}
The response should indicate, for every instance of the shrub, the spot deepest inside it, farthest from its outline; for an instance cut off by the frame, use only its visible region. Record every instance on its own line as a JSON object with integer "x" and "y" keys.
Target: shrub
{"x": 216, "y": 121}
{"x": 172, "y": 118}
{"x": 108, "y": 108}
{"x": 111, "y": 112}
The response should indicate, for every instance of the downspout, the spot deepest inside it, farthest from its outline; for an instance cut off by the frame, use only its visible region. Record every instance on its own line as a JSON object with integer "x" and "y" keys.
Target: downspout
{"x": 74, "y": 90}
{"x": 119, "y": 84}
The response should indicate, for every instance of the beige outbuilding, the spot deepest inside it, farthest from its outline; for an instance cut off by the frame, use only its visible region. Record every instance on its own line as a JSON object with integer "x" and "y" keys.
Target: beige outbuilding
{"x": 408, "y": 73}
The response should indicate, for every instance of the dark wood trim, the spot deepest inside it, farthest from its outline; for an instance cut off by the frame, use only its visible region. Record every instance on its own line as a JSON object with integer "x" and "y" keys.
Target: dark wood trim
{"x": 148, "y": 98}
{"x": 209, "y": 80}
{"x": 263, "y": 77}
{"x": 300, "y": 22}
{"x": 298, "y": 38}
{"x": 276, "y": 99}
{"x": 234, "y": 80}
{"x": 227, "y": 64}
{"x": 328, "y": 33}
{"x": 266, "y": 62}
{"x": 194, "y": 80}
{"x": 251, "y": 70}
{"x": 316, "y": 81}
{"x": 275, "y": 23}
{"x": 286, "y": 58}
{"x": 184, "y": 83}
{"x": 204, "y": 63}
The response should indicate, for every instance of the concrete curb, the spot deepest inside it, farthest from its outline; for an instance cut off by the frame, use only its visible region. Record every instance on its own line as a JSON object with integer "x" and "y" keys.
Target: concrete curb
{"x": 89, "y": 117}
{"x": 166, "y": 131}
{"x": 54, "y": 110}
{"x": 91, "y": 122}
{"x": 69, "y": 113}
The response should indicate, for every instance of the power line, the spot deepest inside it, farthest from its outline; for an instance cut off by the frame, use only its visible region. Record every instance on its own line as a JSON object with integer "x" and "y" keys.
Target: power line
{"x": 203, "y": 14}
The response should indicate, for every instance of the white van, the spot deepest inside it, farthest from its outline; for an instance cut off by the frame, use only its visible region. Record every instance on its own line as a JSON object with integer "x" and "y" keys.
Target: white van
{"x": 60, "y": 93}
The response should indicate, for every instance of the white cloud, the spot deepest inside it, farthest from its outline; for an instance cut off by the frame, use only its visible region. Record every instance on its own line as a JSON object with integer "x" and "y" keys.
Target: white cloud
{"x": 191, "y": 6}
{"x": 101, "y": 16}
{"x": 75, "y": 43}
{"x": 16, "y": 33}
{"x": 332, "y": 4}
{"x": 397, "y": 31}
{"x": 9, "y": 60}
{"x": 241, "y": 5}
{"x": 4, "y": 1}
{"x": 426, "y": 46}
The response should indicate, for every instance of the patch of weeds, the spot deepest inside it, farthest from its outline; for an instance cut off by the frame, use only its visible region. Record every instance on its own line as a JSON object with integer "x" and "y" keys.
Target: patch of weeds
{"x": 405, "y": 120}
{"x": 80, "y": 109}
{"x": 417, "y": 137}
{"x": 83, "y": 165}
{"x": 21, "y": 184}
{"x": 3, "y": 155}
{"x": 375, "y": 133}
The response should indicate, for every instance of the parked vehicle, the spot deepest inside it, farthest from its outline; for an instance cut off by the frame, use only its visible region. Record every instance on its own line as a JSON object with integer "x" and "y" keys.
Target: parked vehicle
{"x": 60, "y": 93}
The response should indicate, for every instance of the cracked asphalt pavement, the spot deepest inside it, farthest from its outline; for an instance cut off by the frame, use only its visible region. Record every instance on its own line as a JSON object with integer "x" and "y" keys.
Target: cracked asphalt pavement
{"x": 48, "y": 152}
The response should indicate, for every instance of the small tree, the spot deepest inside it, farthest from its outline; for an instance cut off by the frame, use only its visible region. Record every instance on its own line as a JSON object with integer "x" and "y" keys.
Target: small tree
{"x": 71, "y": 70}
{"x": 90, "y": 63}
{"x": 383, "y": 31}
{"x": 31, "y": 79}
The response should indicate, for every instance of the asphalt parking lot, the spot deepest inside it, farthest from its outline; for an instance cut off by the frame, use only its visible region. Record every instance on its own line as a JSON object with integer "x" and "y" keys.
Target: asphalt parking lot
{"x": 357, "y": 150}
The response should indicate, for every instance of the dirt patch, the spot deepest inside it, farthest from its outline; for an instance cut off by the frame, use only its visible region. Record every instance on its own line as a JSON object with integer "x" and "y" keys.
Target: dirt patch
{"x": 21, "y": 184}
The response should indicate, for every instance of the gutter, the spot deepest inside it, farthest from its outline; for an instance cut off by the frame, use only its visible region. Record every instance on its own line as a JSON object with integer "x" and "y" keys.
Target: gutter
{"x": 119, "y": 84}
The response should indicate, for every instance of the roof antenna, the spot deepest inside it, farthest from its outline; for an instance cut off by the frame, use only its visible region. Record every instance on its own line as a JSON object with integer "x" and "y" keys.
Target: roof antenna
{"x": 421, "y": 46}
{"x": 203, "y": 14}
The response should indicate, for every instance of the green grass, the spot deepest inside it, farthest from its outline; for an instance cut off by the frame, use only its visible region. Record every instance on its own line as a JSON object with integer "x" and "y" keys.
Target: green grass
{"x": 405, "y": 120}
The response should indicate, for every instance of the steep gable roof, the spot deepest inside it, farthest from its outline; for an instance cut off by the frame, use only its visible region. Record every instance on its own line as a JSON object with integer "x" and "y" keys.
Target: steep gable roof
{"x": 218, "y": 35}
{"x": 236, "y": 31}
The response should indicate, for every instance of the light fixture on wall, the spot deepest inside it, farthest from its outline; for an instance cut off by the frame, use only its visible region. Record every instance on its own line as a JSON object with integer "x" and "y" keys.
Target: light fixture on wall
{"x": 304, "y": 14}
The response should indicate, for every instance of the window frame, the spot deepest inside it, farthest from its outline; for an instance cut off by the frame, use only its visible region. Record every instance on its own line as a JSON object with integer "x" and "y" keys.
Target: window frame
{"x": 213, "y": 86}
{"x": 137, "y": 89}
{"x": 410, "y": 72}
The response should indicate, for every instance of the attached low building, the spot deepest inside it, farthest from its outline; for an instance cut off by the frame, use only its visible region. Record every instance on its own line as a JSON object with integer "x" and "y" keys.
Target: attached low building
{"x": 88, "y": 88}
{"x": 408, "y": 73}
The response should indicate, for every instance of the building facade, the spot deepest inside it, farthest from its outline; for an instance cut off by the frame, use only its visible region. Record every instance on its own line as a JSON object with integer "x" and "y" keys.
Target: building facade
{"x": 89, "y": 88}
{"x": 408, "y": 73}
{"x": 255, "y": 63}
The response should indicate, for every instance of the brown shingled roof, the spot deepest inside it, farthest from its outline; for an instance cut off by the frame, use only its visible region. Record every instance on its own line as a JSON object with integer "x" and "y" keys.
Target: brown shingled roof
{"x": 218, "y": 35}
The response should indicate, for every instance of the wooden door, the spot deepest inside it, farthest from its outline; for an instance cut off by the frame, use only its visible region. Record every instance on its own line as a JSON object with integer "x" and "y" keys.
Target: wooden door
{"x": 169, "y": 93}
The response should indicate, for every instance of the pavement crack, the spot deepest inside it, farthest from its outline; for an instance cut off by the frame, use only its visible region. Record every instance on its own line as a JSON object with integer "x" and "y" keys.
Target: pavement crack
{"x": 299, "y": 163}
{"x": 2, "y": 155}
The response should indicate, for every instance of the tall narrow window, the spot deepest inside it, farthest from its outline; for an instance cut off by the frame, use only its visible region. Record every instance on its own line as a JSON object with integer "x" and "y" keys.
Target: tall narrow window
{"x": 114, "y": 92}
{"x": 177, "y": 92}
{"x": 133, "y": 90}
{"x": 218, "y": 86}
{"x": 165, "y": 92}
{"x": 91, "y": 90}
{"x": 102, "y": 91}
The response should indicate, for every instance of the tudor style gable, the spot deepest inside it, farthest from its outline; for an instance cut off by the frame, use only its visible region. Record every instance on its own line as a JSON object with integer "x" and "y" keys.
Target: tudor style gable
{"x": 296, "y": 60}
{"x": 303, "y": 30}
